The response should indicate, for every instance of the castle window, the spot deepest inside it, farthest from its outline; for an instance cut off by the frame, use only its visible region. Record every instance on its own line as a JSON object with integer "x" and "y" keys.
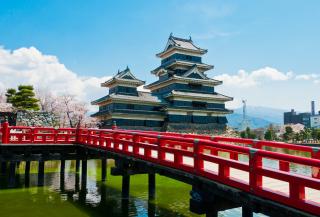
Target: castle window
{"x": 195, "y": 86}
{"x": 130, "y": 106}
{"x": 199, "y": 104}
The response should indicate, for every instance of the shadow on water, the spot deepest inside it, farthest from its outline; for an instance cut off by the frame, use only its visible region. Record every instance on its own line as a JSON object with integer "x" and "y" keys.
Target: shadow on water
{"x": 64, "y": 195}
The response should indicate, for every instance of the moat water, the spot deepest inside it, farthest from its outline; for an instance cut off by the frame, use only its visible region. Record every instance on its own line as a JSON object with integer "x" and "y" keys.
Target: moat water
{"x": 66, "y": 198}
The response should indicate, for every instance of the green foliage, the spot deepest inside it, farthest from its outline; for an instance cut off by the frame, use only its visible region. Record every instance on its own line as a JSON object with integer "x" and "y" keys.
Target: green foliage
{"x": 248, "y": 134}
{"x": 289, "y": 134}
{"x": 10, "y": 95}
{"x": 315, "y": 134}
{"x": 270, "y": 134}
{"x": 304, "y": 135}
{"x": 24, "y": 98}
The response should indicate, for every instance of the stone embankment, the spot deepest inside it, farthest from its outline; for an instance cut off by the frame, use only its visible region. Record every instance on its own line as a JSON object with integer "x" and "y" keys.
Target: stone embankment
{"x": 44, "y": 119}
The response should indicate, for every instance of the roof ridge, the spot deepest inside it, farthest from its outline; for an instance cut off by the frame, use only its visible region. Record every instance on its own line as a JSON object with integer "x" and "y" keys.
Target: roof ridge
{"x": 181, "y": 39}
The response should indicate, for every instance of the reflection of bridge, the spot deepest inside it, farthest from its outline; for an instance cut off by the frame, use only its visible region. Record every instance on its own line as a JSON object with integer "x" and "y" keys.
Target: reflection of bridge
{"x": 223, "y": 174}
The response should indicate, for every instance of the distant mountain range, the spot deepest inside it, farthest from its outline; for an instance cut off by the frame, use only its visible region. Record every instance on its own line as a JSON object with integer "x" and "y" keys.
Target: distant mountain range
{"x": 258, "y": 116}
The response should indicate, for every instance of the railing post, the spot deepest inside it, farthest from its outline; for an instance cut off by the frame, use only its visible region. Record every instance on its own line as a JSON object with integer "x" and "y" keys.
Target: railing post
{"x": 255, "y": 161}
{"x": 114, "y": 125}
{"x": 284, "y": 166}
{"x": 31, "y": 135}
{"x": 316, "y": 155}
{"x": 77, "y": 134}
{"x": 135, "y": 147}
{"x": 115, "y": 141}
{"x": 297, "y": 191}
{"x": 161, "y": 154}
{"x": 198, "y": 163}
{"x": 100, "y": 141}
{"x": 5, "y": 133}
{"x": 256, "y": 144}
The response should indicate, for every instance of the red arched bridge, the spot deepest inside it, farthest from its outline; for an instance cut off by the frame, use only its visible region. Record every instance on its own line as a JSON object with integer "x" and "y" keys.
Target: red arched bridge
{"x": 274, "y": 178}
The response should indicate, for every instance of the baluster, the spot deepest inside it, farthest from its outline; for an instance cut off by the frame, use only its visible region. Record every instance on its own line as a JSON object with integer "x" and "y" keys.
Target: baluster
{"x": 234, "y": 155}
{"x": 161, "y": 153}
{"x": 297, "y": 191}
{"x": 255, "y": 162}
{"x": 316, "y": 155}
{"x": 5, "y": 133}
{"x": 284, "y": 166}
{"x": 198, "y": 162}
{"x": 135, "y": 144}
{"x": 32, "y": 135}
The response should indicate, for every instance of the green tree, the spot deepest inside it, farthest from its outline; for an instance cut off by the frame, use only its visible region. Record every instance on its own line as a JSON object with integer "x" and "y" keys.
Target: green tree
{"x": 10, "y": 95}
{"x": 306, "y": 134}
{"x": 289, "y": 134}
{"x": 248, "y": 134}
{"x": 24, "y": 98}
{"x": 270, "y": 134}
{"x": 315, "y": 134}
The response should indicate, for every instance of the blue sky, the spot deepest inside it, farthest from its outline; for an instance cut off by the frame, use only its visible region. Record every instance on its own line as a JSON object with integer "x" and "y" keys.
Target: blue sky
{"x": 95, "y": 38}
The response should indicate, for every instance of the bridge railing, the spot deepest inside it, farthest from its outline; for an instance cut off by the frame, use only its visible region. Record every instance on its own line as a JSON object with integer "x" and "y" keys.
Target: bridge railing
{"x": 37, "y": 135}
{"x": 222, "y": 160}
{"x": 307, "y": 151}
{"x": 241, "y": 167}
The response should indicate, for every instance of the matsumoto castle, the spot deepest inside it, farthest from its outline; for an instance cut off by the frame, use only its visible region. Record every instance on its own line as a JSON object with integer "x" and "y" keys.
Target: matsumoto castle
{"x": 182, "y": 99}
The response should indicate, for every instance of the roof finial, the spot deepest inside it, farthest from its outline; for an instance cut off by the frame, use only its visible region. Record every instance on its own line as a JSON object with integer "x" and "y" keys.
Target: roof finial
{"x": 171, "y": 34}
{"x": 127, "y": 68}
{"x": 190, "y": 38}
{"x": 118, "y": 71}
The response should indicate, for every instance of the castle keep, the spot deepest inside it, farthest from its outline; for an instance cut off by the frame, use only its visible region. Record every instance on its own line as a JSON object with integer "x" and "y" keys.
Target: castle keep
{"x": 182, "y": 99}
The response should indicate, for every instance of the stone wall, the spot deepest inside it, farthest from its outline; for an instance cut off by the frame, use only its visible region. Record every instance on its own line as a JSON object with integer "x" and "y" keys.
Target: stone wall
{"x": 210, "y": 129}
{"x": 44, "y": 119}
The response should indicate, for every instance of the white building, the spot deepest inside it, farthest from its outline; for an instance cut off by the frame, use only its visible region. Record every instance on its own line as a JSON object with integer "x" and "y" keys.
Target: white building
{"x": 315, "y": 121}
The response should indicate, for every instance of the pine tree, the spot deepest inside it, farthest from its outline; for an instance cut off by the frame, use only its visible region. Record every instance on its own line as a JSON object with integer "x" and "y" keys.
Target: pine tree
{"x": 10, "y": 95}
{"x": 23, "y": 99}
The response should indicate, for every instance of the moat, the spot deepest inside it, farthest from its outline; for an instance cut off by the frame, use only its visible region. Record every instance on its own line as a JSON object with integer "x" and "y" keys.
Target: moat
{"x": 66, "y": 198}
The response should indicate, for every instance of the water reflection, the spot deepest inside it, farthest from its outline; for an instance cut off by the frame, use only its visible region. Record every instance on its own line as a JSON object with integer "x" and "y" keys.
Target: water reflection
{"x": 66, "y": 194}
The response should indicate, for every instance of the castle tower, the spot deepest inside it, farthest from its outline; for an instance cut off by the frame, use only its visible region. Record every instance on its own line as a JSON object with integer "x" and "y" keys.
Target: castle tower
{"x": 190, "y": 96}
{"x": 128, "y": 107}
{"x": 182, "y": 99}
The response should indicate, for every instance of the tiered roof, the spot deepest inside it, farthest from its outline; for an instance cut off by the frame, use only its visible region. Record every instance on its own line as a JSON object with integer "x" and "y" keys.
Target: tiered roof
{"x": 144, "y": 97}
{"x": 177, "y": 79}
{"x": 124, "y": 77}
{"x": 200, "y": 96}
{"x": 175, "y": 43}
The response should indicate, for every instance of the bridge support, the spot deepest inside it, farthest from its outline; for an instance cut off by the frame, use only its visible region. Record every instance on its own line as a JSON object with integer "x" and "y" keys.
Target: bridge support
{"x": 247, "y": 211}
{"x": 205, "y": 202}
{"x": 104, "y": 169}
{"x": 3, "y": 167}
{"x": 41, "y": 173}
{"x": 62, "y": 174}
{"x": 18, "y": 164}
{"x": 212, "y": 213}
{"x": 77, "y": 182}
{"x": 77, "y": 165}
{"x": 151, "y": 209}
{"x": 152, "y": 185}
{"x": 12, "y": 174}
{"x": 27, "y": 174}
{"x": 125, "y": 186}
{"x": 84, "y": 174}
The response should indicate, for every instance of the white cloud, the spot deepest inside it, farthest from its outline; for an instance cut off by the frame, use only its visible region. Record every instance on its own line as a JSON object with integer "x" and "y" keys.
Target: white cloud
{"x": 309, "y": 77}
{"x": 30, "y": 66}
{"x": 254, "y": 78}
